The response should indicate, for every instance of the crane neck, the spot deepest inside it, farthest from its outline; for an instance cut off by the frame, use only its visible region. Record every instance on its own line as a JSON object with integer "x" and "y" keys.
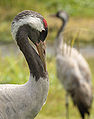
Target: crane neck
{"x": 34, "y": 62}
{"x": 59, "y": 38}
{"x": 61, "y": 30}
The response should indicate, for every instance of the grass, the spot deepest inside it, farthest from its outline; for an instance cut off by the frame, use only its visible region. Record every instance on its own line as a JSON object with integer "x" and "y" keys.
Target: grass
{"x": 81, "y": 13}
{"x": 14, "y": 69}
{"x": 73, "y": 7}
{"x": 11, "y": 72}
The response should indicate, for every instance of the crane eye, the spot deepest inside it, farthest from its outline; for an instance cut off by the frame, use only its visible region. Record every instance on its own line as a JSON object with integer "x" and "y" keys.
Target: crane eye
{"x": 43, "y": 34}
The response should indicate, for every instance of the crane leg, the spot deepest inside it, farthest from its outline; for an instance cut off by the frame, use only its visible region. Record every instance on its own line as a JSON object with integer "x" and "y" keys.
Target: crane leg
{"x": 67, "y": 106}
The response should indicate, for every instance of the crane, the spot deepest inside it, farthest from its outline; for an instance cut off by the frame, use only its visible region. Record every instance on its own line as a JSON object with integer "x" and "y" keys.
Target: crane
{"x": 25, "y": 101}
{"x": 73, "y": 71}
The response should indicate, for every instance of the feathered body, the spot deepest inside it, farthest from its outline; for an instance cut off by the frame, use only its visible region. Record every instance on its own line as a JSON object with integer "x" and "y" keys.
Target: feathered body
{"x": 73, "y": 72}
{"x": 25, "y": 101}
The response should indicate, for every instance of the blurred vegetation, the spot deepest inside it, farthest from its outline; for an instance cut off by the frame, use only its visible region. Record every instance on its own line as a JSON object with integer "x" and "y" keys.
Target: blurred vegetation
{"x": 73, "y": 7}
{"x": 80, "y": 12}
{"x": 80, "y": 27}
{"x": 11, "y": 72}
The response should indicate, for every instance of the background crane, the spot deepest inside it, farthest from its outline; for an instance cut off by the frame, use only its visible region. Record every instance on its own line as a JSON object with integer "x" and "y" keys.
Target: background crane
{"x": 73, "y": 71}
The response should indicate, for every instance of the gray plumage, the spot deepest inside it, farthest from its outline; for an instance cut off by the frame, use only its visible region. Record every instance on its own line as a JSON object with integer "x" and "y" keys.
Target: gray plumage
{"x": 73, "y": 71}
{"x": 25, "y": 101}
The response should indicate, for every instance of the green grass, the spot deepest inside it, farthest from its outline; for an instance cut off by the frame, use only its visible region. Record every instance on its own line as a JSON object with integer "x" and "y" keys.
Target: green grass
{"x": 75, "y": 8}
{"x": 15, "y": 70}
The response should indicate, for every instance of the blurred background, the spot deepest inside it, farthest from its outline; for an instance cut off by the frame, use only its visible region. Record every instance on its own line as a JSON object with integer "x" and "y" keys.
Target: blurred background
{"x": 13, "y": 67}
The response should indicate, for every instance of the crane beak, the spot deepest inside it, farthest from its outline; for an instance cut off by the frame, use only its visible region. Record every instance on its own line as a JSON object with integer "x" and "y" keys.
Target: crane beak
{"x": 41, "y": 50}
